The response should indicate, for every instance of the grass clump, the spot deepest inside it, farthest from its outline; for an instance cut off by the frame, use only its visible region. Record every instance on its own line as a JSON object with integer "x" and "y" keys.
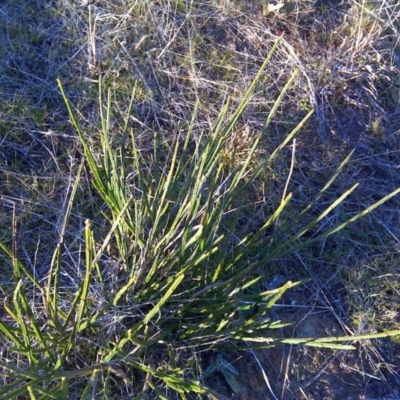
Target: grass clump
{"x": 198, "y": 208}
{"x": 188, "y": 279}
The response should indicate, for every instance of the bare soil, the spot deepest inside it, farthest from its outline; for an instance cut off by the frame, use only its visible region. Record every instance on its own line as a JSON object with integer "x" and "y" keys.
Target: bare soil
{"x": 300, "y": 372}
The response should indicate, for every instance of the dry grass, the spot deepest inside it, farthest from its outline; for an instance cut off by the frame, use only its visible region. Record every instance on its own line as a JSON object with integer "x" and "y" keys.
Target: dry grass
{"x": 180, "y": 53}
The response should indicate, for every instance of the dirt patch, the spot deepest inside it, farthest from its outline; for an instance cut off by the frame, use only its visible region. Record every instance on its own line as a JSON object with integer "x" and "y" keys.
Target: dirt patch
{"x": 306, "y": 373}
{"x": 302, "y": 372}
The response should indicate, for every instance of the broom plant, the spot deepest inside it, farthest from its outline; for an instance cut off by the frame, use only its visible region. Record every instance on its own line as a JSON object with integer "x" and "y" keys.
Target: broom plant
{"x": 187, "y": 278}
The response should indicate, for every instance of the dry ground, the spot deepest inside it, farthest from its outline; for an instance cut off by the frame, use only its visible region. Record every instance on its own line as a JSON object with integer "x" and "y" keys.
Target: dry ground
{"x": 347, "y": 54}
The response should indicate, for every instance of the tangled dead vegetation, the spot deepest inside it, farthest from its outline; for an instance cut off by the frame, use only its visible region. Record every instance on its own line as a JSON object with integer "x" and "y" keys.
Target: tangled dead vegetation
{"x": 343, "y": 61}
